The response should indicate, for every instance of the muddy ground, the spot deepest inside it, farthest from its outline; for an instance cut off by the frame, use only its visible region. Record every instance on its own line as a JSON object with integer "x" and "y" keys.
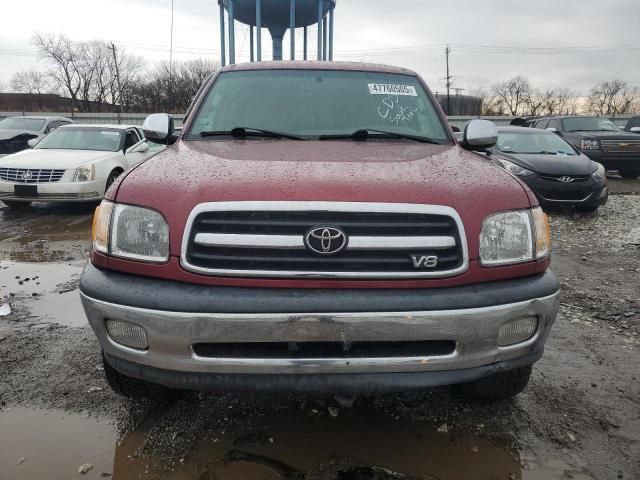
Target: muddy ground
{"x": 579, "y": 418}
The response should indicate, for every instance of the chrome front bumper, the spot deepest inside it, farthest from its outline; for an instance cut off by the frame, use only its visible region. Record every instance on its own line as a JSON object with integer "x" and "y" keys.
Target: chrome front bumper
{"x": 171, "y": 336}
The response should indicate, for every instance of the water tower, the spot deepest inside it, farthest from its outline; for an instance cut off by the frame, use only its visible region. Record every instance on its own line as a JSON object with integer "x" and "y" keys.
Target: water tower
{"x": 277, "y": 16}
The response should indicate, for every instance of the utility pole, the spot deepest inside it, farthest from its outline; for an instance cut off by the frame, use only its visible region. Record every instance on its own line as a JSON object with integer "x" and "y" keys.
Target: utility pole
{"x": 115, "y": 63}
{"x": 447, "y": 51}
{"x": 171, "y": 52}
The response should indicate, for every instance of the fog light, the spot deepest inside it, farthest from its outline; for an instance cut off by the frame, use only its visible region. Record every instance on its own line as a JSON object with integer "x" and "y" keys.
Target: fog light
{"x": 127, "y": 334}
{"x": 517, "y": 331}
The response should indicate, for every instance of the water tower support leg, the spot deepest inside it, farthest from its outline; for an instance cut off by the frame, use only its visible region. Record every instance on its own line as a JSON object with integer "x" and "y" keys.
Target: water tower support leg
{"x": 292, "y": 28}
{"x": 320, "y": 29}
{"x": 223, "y": 59}
{"x": 324, "y": 38}
{"x": 331, "y": 34}
{"x": 259, "y": 29}
{"x": 305, "y": 42}
{"x": 251, "y": 42}
{"x": 232, "y": 33}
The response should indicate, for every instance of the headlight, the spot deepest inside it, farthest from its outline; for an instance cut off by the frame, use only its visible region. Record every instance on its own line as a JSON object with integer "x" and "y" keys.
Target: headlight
{"x": 599, "y": 170}
{"x": 590, "y": 145}
{"x": 85, "y": 173}
{"x": 514, "y": 237}
{"x": 515, "y": 169}
{"x": 131, "y": 232}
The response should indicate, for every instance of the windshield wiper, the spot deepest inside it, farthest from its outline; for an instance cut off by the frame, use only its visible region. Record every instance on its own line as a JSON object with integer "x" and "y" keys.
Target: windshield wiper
{"x": 244, "y": 132}
{"x": 363, "y": 134}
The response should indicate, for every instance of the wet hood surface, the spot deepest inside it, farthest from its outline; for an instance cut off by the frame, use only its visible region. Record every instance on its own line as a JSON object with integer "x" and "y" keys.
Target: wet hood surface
{"x": 208, "y": 171}
{"x": 573, "y": 165}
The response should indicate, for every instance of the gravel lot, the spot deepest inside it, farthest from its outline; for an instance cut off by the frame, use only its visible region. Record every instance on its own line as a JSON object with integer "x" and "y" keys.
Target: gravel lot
{"x": 579, "y": 418}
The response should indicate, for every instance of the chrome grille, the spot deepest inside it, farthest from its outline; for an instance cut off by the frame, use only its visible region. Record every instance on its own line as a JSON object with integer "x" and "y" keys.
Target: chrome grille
{"x": 267, "y": 239}
{"x": 30, "y": 175}
{"x": 624, "y": 146}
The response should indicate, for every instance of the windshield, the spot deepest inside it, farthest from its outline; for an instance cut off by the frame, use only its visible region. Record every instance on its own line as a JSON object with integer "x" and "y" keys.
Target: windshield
{"x": 580, "y": 124}
{"x": 103, "y": 140}
{"x": 530, "y": 143}
{"x": 34, "y": 124}
{"x": 311, "y": 103}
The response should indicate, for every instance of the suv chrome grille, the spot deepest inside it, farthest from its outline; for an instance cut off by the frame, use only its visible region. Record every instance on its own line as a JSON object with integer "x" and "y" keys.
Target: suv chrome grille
{"x": 30, "y": 175}
{"x": 267, "y": 239}
{"x": 624, "y": 146}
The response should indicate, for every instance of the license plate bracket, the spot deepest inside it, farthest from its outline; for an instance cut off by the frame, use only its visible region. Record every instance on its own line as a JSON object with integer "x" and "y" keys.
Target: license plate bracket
{"x": 29, "y": 191}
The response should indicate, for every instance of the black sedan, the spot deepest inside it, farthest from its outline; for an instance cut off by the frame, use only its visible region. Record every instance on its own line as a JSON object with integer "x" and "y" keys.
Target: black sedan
{"x": 555, "y": 170}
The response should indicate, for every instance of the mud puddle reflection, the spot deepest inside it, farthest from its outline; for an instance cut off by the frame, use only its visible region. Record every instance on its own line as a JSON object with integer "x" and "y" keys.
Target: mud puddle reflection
{"x": 46, "y": 292}
{"x": 52, "y": 445}
{"x": 360, "y": 444}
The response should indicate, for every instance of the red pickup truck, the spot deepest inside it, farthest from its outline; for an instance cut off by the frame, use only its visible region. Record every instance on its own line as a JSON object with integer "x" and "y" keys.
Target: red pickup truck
{"x": 316, "y": 227}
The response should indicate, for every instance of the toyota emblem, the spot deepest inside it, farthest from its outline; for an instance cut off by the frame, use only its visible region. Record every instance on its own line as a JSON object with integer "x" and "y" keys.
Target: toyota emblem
{"x": 566, "y": 179}
{"x": 325, "y": 240}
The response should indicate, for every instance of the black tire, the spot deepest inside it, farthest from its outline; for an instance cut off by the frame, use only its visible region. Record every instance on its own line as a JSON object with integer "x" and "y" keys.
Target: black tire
{"x": 587, "y": 208}
{"x": 630, "y": 173}
{"x": 112, "y": 178}
{"x": 132, "y": 387}
{"x": 496, "y": 387}
{"x": 16, "y": 205}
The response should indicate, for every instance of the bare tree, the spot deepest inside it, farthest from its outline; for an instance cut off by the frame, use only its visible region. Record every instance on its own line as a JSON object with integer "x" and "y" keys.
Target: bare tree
{"x": 512, "y": 94}
{"x": 33, "y": 82}
{"x": 613, "y": 97}
{"x": 534, "y": 103}
{"x": 3, "y": 86}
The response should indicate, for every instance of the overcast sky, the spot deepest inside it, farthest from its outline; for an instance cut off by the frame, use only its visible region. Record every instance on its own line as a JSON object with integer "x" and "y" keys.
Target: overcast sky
{"x": 544, "y": 40}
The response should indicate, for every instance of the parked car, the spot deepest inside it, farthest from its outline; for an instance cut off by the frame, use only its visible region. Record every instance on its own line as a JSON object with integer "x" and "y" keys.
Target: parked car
{"x": 633, "y": 125}
{"x": 555, "y": 170}
{"x": 15, "y": 132}
{"x": 600, "y": 139}
{"x": 75, "y": 163}
{"x": 316, "y": 227}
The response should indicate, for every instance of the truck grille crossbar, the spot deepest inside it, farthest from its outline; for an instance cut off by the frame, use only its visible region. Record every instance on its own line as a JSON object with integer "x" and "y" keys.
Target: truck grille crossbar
{"x": 267, "y": 239}
{"x": 624, "y": 146}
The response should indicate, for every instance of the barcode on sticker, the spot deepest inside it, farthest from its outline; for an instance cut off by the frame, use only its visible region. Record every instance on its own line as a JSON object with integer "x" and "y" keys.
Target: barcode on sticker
{"x": 392, "y": 89}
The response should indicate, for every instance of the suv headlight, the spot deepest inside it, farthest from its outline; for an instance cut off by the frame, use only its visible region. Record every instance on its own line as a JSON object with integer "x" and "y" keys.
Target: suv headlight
{"x": 590, "y": 145}
{"x": 131, "y": 232}
{"x": 514, "y": 237}
{"x": 515, "y": 169}
{"x": 599, "y": 170}
{"x": 85, "y": 173}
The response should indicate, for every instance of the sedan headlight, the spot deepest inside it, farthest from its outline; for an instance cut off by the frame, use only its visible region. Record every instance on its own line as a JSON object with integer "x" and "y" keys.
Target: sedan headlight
{"x": 85, "y": 173}
{"x": 131, "y": 232}
{"x": 598, "y": 171}
{"x": 515, "y": 169}
{"x": 514, "y": 237}
{"x": 589, "y": 145}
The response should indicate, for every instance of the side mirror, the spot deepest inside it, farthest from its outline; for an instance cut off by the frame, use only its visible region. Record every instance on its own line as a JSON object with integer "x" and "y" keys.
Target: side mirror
{"x": 142, "y": 148}
{"x": 552, "y": 129}
{"x": 635, "y": 130}
{"x": 158, "y": 127}
{"x": 32, "y": 142}
{"x": 480, "y": 135}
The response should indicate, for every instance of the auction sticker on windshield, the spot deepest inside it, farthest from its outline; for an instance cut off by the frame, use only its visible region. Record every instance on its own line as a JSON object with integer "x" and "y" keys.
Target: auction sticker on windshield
{"x": 392, "y": 89}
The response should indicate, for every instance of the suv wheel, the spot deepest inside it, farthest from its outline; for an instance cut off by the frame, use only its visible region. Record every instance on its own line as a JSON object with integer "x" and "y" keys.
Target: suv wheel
{"x": 629, "y": 173}
{"x": 587, "y": 208}
{"x": 496, "y": 387}
{"x": 132, "y": 387}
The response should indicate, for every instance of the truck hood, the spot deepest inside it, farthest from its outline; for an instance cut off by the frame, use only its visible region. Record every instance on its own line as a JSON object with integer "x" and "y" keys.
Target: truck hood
{"x": 605, "y": 135}
{"x": 56, "y": 159}
{"x": 572, "y": 165}
{"x": 193, "y": 172}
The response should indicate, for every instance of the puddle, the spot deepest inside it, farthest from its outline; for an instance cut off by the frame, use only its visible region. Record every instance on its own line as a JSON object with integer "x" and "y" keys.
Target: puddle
{"x": 45, "y": 234}
{"x": 49, "y": 291}
{"x": 358, "y": 445}
{"x": 51, "y": 445}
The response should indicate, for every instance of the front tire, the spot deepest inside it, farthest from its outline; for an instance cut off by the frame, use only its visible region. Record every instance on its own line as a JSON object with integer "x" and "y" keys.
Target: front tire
{"x": 16, "y": 205}
{"x": 132, "y": 387}
{"x": 630, "y": 173}
{"x": 498, "y": 386}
